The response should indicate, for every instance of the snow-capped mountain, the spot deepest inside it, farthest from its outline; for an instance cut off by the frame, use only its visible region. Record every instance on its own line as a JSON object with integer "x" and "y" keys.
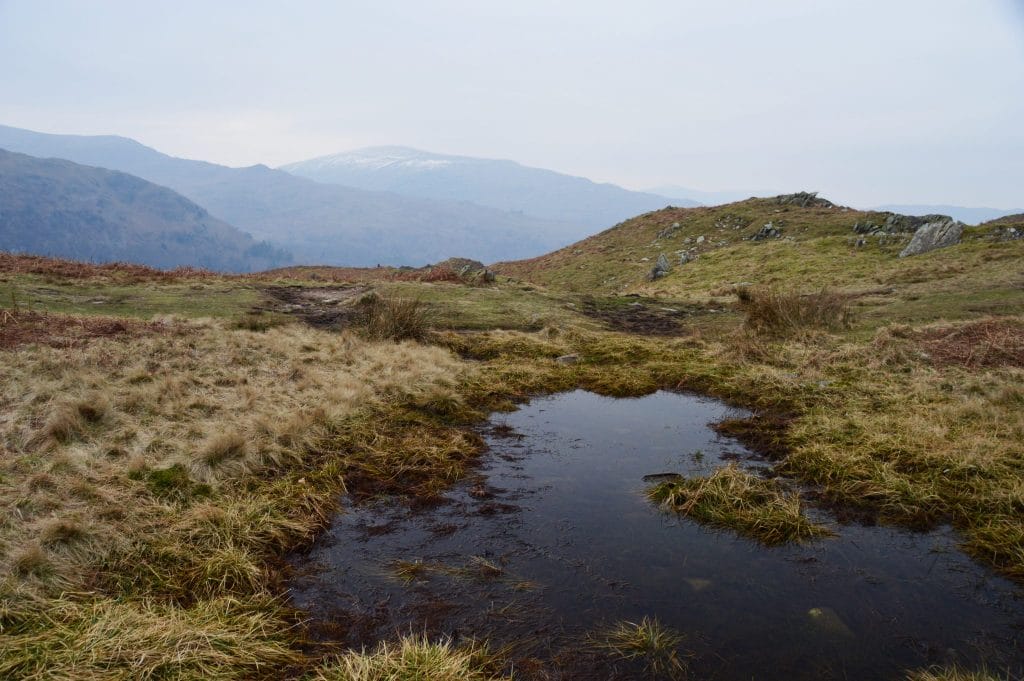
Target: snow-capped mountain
{"x": 581, "y": 203}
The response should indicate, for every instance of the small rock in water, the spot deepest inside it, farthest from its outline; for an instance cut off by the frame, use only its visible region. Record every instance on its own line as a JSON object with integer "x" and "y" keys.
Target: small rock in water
{"x": 662, "y": 477}
{"x": 828, "y": 620}
{"x": 568, "y": 359}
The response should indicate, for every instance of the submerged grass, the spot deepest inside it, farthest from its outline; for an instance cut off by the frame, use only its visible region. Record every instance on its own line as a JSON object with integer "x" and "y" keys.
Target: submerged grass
{"x": 738, "y": 500}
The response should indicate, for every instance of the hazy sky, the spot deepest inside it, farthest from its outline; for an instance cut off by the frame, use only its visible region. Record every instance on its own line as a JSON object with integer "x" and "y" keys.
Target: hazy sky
{"x": 868, "y": 101}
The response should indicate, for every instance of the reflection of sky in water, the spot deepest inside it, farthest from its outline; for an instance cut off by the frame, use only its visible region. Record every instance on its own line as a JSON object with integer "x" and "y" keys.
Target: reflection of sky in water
{"x": 563, "y": 510}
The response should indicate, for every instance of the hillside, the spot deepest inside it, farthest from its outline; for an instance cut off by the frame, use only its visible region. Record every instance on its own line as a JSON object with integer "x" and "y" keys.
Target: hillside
{"x": 810, "y": 247}
{"x": 584, "y": 206}
{"x": 59, "y": 208}
{"x": 318, "y": 223}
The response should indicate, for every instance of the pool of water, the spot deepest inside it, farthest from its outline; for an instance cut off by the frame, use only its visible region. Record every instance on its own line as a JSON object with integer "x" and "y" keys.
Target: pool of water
{"x": 552, "y": 540}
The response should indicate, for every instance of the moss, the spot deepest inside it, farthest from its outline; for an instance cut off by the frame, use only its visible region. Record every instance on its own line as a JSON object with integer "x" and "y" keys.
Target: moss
{"x": 174, "y": 482}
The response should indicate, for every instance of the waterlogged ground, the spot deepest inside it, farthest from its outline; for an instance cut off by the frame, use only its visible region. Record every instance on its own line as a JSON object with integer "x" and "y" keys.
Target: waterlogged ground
{"x": 553, "y": 540}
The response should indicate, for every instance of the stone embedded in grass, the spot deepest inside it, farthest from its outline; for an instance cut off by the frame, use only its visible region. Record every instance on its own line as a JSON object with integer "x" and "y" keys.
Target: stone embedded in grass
{"x": 735, "y": 499}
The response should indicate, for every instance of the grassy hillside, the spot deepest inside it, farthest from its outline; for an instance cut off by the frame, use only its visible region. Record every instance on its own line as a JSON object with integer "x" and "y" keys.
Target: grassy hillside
{"x": 169, "y": 436}
{"x": 816, "y": 247}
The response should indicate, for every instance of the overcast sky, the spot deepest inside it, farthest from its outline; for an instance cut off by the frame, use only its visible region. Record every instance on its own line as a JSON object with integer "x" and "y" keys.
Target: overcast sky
{"x": 868, "y": 101}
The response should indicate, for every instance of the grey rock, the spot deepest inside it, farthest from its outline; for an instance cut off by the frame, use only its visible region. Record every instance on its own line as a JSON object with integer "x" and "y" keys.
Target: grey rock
{"x": 568, "y": 359}
{"x": 669, "y": 231}
{"x": 684, "y": 258}
{"x": 933, "y": 235}
{"x": 767, "y": 231}
{"x": 661, "y": 268}
{"x": 804, "y": 200}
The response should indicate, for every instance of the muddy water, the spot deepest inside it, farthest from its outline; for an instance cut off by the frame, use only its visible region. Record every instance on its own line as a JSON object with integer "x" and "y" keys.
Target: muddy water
{"x": 553, "y": 540}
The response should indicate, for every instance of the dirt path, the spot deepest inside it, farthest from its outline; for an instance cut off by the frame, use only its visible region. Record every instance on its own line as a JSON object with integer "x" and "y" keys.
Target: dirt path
{"x": 326, "y": 307}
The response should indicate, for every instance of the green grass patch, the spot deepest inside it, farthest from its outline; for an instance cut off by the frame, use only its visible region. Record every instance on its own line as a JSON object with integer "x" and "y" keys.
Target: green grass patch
{"x": 746, "y": 503}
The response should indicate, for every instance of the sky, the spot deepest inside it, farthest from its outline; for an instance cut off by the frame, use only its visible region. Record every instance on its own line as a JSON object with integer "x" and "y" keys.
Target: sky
{"x": 866, "y": 101}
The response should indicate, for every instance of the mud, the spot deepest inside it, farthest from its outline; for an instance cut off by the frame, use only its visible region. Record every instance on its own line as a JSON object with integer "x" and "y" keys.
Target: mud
{"x": 645, "y": 317}
{"x": 325, "y": 307}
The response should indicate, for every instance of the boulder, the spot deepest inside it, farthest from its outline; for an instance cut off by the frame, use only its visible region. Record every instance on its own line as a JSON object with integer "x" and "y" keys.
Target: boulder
{"x": 661, "y": 268}
{"x": 933, "y": 235}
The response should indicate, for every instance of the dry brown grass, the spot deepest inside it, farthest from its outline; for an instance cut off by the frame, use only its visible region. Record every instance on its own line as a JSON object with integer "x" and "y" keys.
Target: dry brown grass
{"x": 73, "y": 269}
{"x": 984, "y": 343}
{"x": 777, "y": 312}
{"x": 171, "y": 468}
{"x": 26, "y": 327}
{"x": 394, "y": 318}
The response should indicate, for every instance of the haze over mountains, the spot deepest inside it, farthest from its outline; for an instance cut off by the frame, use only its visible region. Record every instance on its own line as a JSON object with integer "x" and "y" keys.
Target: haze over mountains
{"x": 966, "y": 214}
{"x": 505, "y": 185}
{"x": 344, "y": 225}
{"x": 380, "y": 205}
{"x": 59, "y": 208}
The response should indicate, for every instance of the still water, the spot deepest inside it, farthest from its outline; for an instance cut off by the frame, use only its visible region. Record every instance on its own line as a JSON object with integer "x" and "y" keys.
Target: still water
{"x": 552, "y": 540}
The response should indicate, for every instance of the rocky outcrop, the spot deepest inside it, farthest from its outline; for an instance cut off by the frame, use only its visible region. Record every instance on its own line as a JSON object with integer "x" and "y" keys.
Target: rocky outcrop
{"x": 934, "y": 235}
{"x": 803, "y": 200}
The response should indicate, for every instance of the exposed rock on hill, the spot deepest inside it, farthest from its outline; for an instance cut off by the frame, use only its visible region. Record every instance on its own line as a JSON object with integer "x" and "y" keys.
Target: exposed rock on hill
{"x": 804, "y": 200}
{"x": 933, "y": 235}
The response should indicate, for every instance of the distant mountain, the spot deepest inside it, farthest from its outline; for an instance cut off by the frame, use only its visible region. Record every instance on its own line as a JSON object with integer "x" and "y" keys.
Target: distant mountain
{"x": 318, "y": 223}
{"x": 705, "y": 198}
{"x": 59, "y": 208}
{"x": 971, "y": 216}
{"x": 584, "y": 206}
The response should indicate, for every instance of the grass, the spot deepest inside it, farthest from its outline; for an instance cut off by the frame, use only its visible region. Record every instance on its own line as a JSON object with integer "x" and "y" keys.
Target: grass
{"x": 647, "y": 641}
{"x": 156, "y": 468}
{"x": 777, "y": 312}
{"x": 151, "y": 480}
{"x": 741, "y": 501}
{"x": 394, "y": 318}
{"x": 954, "y": 674}
{"x": 413, "y": 658}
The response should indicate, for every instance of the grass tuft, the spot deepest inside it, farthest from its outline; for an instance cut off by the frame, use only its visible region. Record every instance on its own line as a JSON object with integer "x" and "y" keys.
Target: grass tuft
{"x": 224, "y": 447}
{"x": 734, "y": 499}
{"x": 648, "y": 641}
{"x": 394, "y": 318}
{"x": 413, "y": 658}
{"x": 954, "y": 674}
{"x": 775, "y": 312}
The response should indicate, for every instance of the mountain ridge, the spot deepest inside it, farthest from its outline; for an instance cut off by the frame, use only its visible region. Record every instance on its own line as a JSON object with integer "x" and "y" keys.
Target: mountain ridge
{"x": 497, "y": 183}
{"x": 318, "y": 223}
{"x": 60, "y": 208}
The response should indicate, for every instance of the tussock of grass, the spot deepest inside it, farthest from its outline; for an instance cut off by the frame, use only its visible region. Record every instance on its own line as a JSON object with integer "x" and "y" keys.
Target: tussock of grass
{"x": 412, "y": 659}
{"x": 954, "y": 674}
{"x": 394, "y": 318}
{"x": 647, "y": 641}
{"x": 775, "y": 312}
{"x": 218, "y": 640}
{"x": 142, "y": 515}
{"x": 746, "y": 503}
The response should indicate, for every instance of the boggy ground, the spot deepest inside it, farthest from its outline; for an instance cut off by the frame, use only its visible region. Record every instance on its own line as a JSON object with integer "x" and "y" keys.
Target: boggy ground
{"x": 156, "y": 469}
